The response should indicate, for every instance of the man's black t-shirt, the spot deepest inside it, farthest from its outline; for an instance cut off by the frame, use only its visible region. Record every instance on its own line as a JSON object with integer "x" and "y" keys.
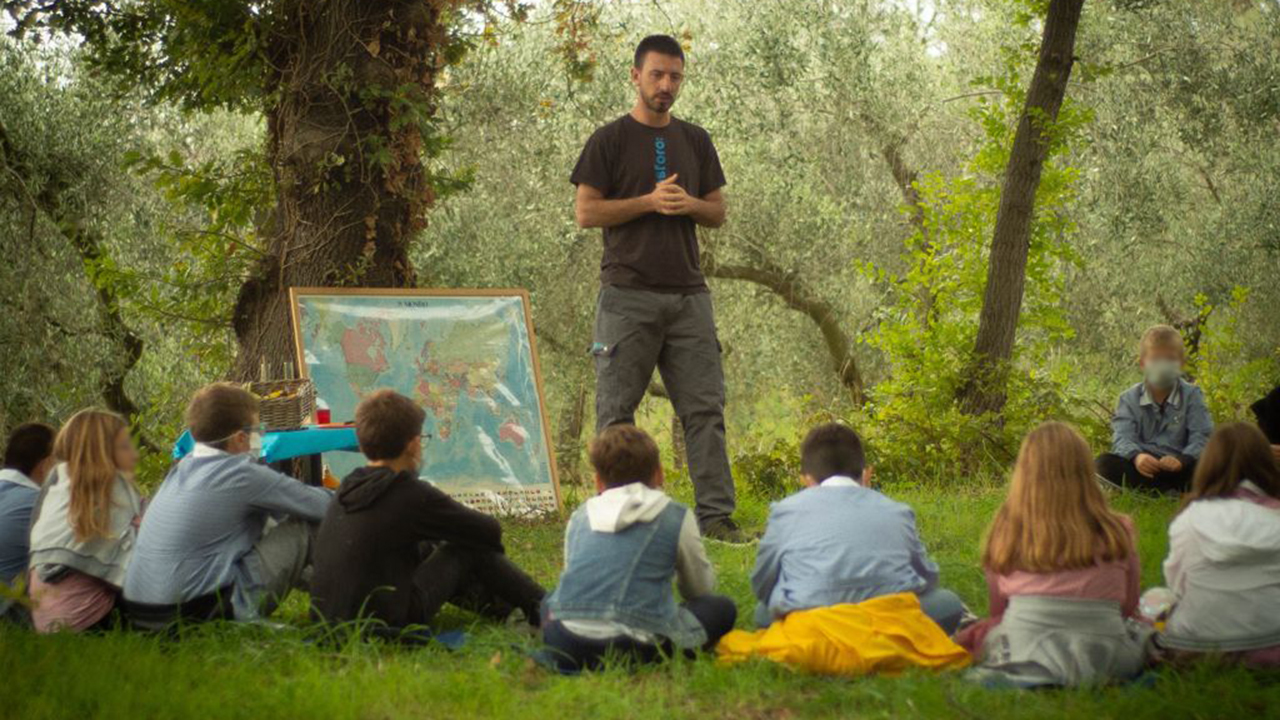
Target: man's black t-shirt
{"x": 626, "y": 159}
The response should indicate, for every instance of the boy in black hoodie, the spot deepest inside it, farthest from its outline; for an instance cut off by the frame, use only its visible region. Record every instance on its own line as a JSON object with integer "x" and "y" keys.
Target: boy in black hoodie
{"x": 396, "y": 549}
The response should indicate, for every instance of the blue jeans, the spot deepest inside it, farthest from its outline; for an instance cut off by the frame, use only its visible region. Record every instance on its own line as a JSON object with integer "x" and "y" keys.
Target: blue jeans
{"x": 943, "y": 607}
{"x": 572, "y": 653}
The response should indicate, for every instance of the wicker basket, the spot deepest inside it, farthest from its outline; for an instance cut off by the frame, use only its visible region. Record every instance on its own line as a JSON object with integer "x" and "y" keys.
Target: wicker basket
{"x": 292, "y": 410}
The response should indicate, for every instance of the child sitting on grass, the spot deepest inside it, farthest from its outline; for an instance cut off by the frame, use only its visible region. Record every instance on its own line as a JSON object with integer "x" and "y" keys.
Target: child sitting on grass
{"x": 1161, "y": 424}
{"x": 396, "y": 549}
{"x": 28, "y": 457}
{"x": 622, "y": 549}
{"x": 1063, "y": 574}
{"x": 85, "y": 525}
{"x": 1224, "y": 553}
{"x": 225, "y": 536}
{"x": 838, "y": 541}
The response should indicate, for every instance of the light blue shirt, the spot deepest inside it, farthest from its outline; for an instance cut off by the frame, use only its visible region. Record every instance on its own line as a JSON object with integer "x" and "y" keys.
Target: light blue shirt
{"x": 18, "y": 494}
{"x": 1180, "y": 426}
{"x": 837, "y": 543}
{"x": 203, "y": 521}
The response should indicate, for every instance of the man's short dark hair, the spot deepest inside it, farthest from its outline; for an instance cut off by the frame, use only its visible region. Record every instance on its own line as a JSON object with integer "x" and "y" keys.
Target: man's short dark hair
{"x": 218, "y": 411}
{"x": 29, "y": 445}
{"x": 623, "y": 454}
{"x": 386, "y": 422}
{"x": 832, "y": 449}
{"x": 664, "y": 44}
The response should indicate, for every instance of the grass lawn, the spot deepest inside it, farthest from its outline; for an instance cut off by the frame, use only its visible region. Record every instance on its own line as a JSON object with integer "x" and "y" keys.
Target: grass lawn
{"x": 225, "y": 671}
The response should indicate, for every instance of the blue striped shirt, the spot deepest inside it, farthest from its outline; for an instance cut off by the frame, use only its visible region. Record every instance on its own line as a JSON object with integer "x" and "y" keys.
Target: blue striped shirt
{"x": 202, "y": 522}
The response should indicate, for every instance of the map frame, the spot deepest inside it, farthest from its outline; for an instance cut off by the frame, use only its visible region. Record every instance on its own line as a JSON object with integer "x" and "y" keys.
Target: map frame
{"x": 480, "y": 503}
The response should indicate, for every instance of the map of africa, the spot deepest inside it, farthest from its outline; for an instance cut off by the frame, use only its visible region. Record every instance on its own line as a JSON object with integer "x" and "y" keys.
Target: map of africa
{"x": 466, "y": 360}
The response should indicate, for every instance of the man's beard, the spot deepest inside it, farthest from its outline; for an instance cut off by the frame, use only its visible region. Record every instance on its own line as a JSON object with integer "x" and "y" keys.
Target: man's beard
{"x": 659, "y": 103}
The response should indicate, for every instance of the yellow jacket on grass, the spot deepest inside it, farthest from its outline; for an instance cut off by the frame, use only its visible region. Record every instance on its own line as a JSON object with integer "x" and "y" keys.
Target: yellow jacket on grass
{"x": 887, "y": 634}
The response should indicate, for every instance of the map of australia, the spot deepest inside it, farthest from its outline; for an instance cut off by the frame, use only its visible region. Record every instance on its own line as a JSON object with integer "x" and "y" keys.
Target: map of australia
{"x": 467, "y": 360}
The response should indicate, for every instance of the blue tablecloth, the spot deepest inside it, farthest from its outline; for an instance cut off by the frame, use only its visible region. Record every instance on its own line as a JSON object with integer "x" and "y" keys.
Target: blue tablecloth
{"x": 285, "y": 444}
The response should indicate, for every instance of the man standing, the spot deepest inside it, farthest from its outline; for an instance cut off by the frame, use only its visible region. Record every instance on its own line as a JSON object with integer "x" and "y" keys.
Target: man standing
{"x": 649, "y": 179}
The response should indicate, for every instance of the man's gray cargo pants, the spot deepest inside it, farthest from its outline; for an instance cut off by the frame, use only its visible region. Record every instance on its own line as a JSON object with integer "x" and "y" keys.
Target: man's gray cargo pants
{"x": 637, "y": 330}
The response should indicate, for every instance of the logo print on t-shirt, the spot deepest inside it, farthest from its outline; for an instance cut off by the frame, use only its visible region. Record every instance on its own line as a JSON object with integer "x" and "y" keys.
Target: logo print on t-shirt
{"x": 660, "y": 157}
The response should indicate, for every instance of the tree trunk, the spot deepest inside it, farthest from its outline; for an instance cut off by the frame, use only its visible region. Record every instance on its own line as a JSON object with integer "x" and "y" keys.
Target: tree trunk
{"x": 984, "y": 389}
{"x": 355, "y": 79}
{"x": 89, "y": 246}
{"x": 679, "y": 455}
{"x": 904, "y": 176}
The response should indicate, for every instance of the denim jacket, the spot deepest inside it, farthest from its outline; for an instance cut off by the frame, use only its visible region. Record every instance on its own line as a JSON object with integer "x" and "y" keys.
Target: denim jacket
{"x": 1181, "y": 426}
{"x": 625, "y": 576}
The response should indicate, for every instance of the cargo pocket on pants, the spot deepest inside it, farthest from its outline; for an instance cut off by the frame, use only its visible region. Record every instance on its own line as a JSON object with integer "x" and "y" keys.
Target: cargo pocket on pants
{"x": 602, "y": 353}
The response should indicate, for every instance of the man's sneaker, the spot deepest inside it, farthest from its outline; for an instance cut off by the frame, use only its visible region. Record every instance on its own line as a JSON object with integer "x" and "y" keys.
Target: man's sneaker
{"x": 725, "y": 530}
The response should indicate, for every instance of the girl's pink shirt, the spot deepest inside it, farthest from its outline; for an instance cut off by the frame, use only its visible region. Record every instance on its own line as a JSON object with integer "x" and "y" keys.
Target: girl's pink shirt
{"x": 74, "y": 603}
{"x": 1117, "y": 581}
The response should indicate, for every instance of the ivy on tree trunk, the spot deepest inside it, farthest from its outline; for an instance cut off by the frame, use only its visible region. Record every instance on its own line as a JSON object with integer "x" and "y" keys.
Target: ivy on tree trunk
{"x": 345, "y": 139}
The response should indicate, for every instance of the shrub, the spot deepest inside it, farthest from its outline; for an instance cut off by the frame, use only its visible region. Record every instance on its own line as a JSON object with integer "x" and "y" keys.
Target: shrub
{"x": 927, "y": 329}
{"x": 1230, "y": 379}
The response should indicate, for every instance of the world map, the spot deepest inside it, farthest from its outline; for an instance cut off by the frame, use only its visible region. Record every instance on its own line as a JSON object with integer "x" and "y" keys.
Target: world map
{"x": 466, "y": 360}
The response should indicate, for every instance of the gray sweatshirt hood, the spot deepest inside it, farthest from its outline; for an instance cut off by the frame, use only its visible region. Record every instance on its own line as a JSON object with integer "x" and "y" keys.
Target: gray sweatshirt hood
{"x": 617, "y": 509}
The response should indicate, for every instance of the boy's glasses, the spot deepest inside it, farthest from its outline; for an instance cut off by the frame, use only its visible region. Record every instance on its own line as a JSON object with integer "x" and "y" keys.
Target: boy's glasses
{"x": 260, "y": 429}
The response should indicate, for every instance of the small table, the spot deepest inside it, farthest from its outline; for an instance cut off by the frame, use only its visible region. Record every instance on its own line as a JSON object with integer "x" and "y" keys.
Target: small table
{"x": 281, "y": 445}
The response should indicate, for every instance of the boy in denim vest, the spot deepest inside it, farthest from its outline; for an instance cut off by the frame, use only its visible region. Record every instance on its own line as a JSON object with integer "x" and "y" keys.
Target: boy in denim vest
{"x": 1161, "y": 424}
{"x": 623, "y": 548}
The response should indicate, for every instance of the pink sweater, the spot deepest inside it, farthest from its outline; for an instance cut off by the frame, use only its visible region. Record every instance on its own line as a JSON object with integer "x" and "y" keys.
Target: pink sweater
{"x": 1117, "y": 581}
{"x": 75, "y": 603}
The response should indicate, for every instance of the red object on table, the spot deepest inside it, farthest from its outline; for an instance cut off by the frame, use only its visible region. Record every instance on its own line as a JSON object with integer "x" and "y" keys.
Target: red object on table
{"x": 323, "y": 416}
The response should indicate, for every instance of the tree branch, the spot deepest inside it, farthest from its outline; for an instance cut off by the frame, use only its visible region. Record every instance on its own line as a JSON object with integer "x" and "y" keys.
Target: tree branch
{"x": 1191, "y": 328}
{"x": 88, "y": 244}
{"x": 798, "y": 296}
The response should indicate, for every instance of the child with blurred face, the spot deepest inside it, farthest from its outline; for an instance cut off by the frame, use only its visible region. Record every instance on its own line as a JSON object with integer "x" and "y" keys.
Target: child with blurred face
{"x": 1161, "y": 424}
{"x": 28, "y": 458}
